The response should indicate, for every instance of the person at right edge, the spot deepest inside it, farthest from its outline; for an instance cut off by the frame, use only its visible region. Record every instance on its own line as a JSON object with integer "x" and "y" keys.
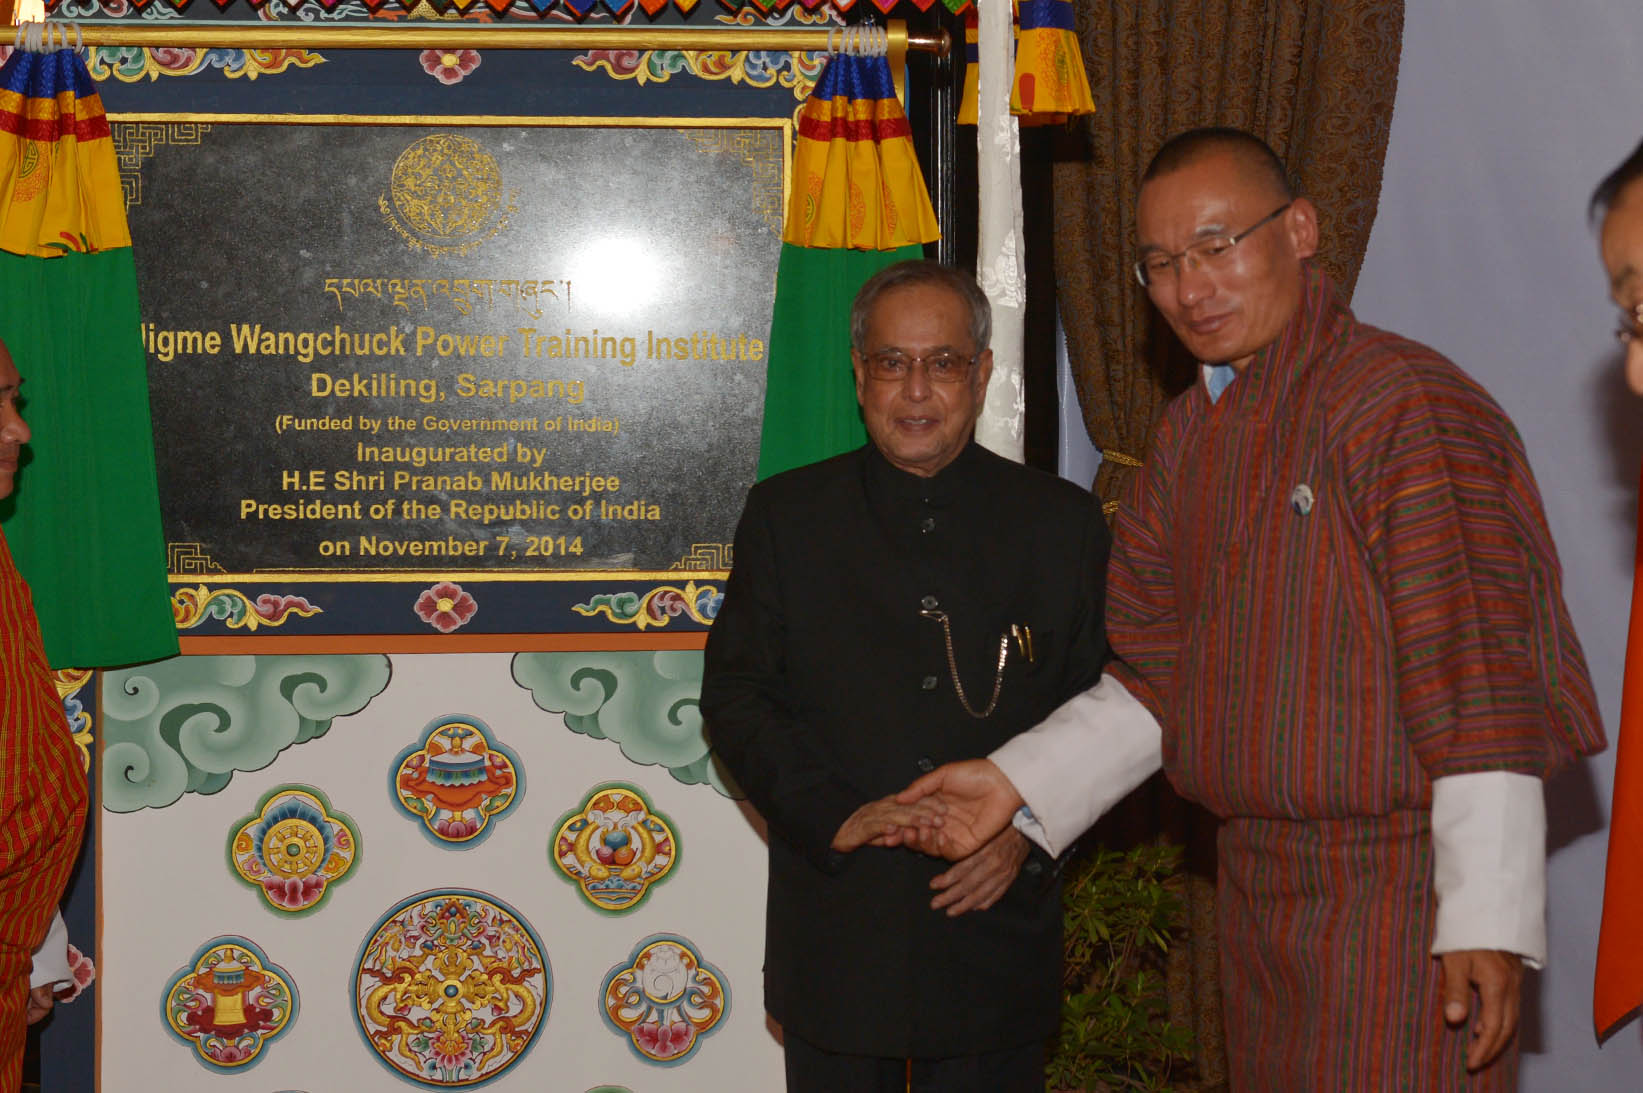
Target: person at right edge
{"x": 42, "y": 788}
{"x": 1617, "y": 981}
{"x": 1338, "y": 623}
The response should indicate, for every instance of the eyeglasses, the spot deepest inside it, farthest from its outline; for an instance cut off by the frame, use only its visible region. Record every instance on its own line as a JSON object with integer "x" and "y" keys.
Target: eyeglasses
{"x": 944, "y": 367}
{"x": 1631, "y": 324}
{"x": 1155, "y": 267}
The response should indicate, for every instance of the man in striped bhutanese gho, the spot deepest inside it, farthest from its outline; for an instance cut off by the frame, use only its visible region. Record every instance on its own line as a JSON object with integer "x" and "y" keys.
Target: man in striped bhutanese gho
{"x": 42, "y": 788}
{"x": 1339, "y": 624}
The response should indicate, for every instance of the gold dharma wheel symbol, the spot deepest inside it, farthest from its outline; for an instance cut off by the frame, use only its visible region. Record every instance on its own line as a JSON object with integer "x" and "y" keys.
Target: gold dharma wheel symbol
{"x": 293, "y": 848}
{"x": 446, "y": 186}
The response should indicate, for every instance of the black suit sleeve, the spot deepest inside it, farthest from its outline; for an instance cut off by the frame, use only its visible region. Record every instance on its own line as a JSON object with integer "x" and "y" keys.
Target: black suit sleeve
{"x": 748, "y": 705}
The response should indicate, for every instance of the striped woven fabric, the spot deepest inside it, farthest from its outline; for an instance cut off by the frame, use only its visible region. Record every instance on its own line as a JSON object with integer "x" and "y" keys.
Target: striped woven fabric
{"x": 86, "y": 527}
{"x": 1324, "y": 925}
{"x": 1331, "y": 586}
{"x": 1409, "y": 625}
{"x": 42, "y": 807}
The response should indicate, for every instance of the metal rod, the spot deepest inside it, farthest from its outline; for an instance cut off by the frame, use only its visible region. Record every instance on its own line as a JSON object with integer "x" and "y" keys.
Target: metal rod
{"x": 943, "y": 147}
{"x": 235, "y": 34}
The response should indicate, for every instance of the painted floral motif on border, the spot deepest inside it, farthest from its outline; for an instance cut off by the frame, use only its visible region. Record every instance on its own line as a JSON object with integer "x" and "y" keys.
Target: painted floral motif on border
{"x": 614, "y": 847}
{"x": 457, "y": 780}
{"x": 445, "y": 606}
{"x": 657, "y": 607}
{"x": 451, "y": 988}
{"x": 134, "y": 64}
{"x": 294, "y": 848}
{"x": 798, "y": 71}
{"x": 192, "y": 606}
{"x": 664, "y": 999}
{"x": 229, "y": 1003}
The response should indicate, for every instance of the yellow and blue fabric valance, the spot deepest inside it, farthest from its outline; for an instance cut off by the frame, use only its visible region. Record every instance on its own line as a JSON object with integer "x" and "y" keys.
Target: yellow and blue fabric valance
{"x": 59, "y": 182}
{"x": 1050, "y": 84}
{"x": 972, "y": 71}
{"x": 856, "y": 176}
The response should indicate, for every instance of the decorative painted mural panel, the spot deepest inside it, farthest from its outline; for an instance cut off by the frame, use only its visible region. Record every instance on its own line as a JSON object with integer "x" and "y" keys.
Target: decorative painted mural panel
{"x": 664, "y": 998}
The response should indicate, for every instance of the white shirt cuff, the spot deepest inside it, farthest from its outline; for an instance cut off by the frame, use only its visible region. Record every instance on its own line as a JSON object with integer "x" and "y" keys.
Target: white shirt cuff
{"x": 51, "y": 958}
{"x": 1079, "y": 762}
{"x": 1489, "y": 864}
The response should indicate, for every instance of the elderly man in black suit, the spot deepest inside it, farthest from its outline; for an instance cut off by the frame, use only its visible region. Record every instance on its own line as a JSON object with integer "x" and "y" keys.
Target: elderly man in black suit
{"x": 916, "y": 601}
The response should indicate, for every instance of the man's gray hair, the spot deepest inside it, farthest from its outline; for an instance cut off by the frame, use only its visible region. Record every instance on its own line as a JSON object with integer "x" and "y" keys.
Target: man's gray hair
{"x": 921, "y": 271}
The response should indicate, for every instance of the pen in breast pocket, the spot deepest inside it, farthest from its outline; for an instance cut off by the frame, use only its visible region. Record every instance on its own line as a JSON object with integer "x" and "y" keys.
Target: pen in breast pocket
{"x": 1023, "y": 639}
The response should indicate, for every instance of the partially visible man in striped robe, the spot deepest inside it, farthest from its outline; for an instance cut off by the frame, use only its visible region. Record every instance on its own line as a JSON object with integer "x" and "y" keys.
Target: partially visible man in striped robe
{"x": 42, "y": 788}
{"x": 1339, "y": 621}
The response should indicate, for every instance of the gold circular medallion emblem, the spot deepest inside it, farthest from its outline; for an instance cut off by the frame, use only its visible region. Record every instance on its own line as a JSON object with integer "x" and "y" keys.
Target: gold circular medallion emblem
{"x": 446, "y": 188}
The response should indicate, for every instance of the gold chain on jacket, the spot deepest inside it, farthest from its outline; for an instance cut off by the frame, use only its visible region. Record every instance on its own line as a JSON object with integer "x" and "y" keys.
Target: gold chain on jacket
{"x": 952, "y": 665}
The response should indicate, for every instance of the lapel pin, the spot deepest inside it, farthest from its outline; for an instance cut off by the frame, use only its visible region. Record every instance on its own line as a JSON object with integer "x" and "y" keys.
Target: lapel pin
{"x": 1300, "y": 499}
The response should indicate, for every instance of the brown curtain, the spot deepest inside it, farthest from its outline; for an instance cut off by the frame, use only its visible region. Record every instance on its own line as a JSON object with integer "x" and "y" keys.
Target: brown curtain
{"x": 1315, "y": 80}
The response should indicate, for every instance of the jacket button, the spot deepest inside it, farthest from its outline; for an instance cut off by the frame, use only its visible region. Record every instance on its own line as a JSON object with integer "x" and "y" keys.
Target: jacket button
{"x": 927, "y": 524}
{"x": 929, "y": 603}
{"x": 925, "y": 765}
{"x": 1033, "y": 868}
{"x": 928, "y": 683}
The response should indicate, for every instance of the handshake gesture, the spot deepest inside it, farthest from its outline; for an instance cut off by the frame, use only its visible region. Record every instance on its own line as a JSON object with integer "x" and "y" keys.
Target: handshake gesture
{"x": 952, "y": 812}
{"x": 960, "y": 812}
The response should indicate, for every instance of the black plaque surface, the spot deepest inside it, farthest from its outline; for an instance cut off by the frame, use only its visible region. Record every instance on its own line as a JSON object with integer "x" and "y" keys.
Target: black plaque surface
{"x": 497, "y": 349}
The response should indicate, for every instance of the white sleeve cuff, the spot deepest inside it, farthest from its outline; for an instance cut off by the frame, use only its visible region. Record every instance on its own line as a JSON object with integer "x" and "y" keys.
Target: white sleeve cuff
{"x": 51, "y": 958}
{"x": 1489, "y": 864}
{"x": 1079, "y": 762}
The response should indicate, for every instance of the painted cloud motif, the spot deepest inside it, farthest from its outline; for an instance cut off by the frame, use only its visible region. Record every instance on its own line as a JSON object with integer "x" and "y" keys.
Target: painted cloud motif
{"x": 644, "y": 701}
{"x": 185, "y": 725}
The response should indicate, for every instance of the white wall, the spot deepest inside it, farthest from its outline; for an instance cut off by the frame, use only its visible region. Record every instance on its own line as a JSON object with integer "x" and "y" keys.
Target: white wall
{"x": 1507, "y": 114}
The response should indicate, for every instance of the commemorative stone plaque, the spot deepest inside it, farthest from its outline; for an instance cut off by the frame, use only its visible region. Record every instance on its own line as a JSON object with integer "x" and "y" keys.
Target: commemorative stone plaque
{"x": 505, "y": 348}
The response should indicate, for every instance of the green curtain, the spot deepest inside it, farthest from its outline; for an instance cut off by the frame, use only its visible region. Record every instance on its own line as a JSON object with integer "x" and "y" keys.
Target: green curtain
{"x": 84, "y": 521}
{"x": 810, "y": 410}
